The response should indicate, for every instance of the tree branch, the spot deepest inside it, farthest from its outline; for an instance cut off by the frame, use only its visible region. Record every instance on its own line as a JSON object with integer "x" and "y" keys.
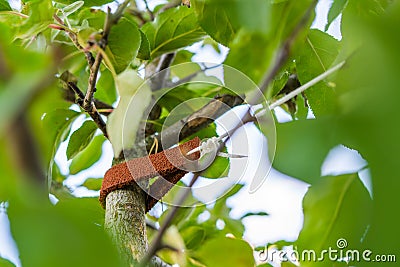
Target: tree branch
{"x": 72, "y": 95}
{"x": 170, "y": 4}
{"x": 196, "y": 121}
{"x": 161, "y": 72}
{"x": 284, "y": 52}
{"x": 148, "y": 10}
{"x": 111, "y": 20}
{"x": 91, "y": 110}
{"x": 24, "y": 151}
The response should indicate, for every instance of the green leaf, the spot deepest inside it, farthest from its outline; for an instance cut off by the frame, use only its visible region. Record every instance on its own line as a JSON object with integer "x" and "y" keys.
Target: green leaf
{"x": 207, "y": 132}
{"x": 180, "y": 96}
{"x": 58, "y": 124}
{"x": 235, "y": 252}
{"x": 221, "y": 19}
{"x": 208, "y": 41}
{"x": 4, "y": 262}
{"x": 90, "y": 155}
{"x": 90, "y": 205}
{"x": 302, "y": 147}
{"x": 233, "y": 226}
{"x": 336, "y": 8}
{"x": 18, "y": 89}
{"x": 259, "y": 55}
{"x": 186, "y": 208}
{"x": 19, "y": 82}
{"x": 219, "y": 168}
{"x": 95, "y": 17}
{"x": 72, "y": 8}
{"x": 144, "y": 49}
{"x": 93, "y": 183}
{"x": 214, "y": 20}
{"x": 4, "y": 5}
{"x": 278, "y": 84}
{"x": 232, "y": 191}
{"x": 330, "y": 206}
{"x": 369, "y": 93}
{"x": 87, "y": 3}
{"x": 124, "y": 121}
{"x": 220, "y": 209}
{"x": 68, "y": 228}
{"x": 315, "y": 57}
{"x": 60, "y": 191}
{"x": 173, "y": 239}
{"x": 260, "y": 213}
{"x": 40, "y": 16}
{"x": 57, "y": 176}
{"x": 260, "y": 28}
{"x": 173, "y": 29}
{"x": 123, "y": 44}
{"x": 106, "y": 90}
{"x": 355, "y": 14}
{"x": 80, "y": 139}
{"x": 184, "y": 56}
{"x": 193, "y": 236}
{"x": 184, "y": 70}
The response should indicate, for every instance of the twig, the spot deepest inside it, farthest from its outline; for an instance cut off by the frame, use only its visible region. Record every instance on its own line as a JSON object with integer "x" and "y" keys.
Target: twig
{"x": 170, "y": 4}
{"x": 148, "y": 10}
{"x": 111, "y": 19}
{"x": 74, "y": 38}
{"x": 283, "y": 53}
{"x": 161, "y": 71}
{"x": 138, "y": 14}
{"x": 92, "y": 111}
{"x": 71, "y": 96}
{"x": 155, "y": 246}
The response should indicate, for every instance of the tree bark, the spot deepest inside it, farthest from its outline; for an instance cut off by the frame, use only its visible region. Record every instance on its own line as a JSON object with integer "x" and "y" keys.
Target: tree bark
{"x": 125, "y": 213}
{"x": 126, "y": 208}
{"x": 125, "y": 220}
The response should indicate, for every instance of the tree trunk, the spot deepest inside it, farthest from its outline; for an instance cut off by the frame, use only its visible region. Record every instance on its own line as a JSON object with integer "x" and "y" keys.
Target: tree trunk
{"x": 125, "y": 221}
{"x": 125, "y": 214}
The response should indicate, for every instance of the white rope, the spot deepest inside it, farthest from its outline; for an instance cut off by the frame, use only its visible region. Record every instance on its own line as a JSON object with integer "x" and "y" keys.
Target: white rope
{"x": 212, "y": 144}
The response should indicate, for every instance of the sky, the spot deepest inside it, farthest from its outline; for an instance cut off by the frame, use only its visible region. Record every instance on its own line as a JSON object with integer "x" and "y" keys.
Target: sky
{"x": 280, "y": 195}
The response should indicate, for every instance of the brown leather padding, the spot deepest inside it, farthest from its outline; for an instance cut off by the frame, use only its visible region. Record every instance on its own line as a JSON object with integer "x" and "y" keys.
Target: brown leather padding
{"x": 170, "y": 164}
